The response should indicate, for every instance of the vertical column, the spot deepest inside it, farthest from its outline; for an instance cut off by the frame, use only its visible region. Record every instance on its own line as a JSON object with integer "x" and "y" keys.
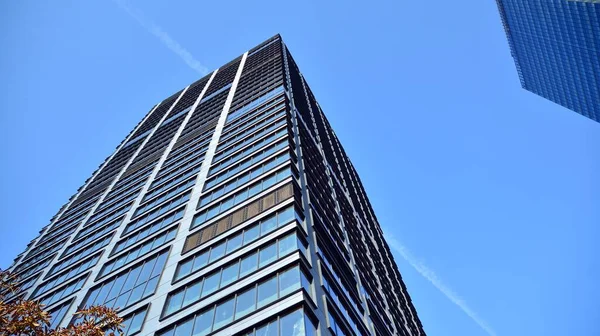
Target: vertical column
{"x": 152, "y": 320}
{"x": 315, "y": 271}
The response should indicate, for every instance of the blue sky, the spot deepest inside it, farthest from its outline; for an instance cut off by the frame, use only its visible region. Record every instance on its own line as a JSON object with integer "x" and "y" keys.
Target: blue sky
{"x": 487, "y": 190}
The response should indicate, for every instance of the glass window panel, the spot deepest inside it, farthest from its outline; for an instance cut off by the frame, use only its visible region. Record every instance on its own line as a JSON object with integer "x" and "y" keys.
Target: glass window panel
{"x": 239, "y": 197}
{"x": 249, "y": 264}
{"x": 103, "y": 293}
{"x": 217, "y": 252}
{"x": 211, "y": 284}
{"x": 136, "y": 323}
{"x": 251, "y": 234}
{"x": 131, "y": 278}
{"x": 269, "y": 181}
{"x": 169, "y": 332}
{"x": 268, "y": 330}
{"x": 92, "y": 295}
{"x": 228, "y": 203}
{"x": 174, "y": 303}
{"x": 122, "y": 300}
{"x": 268, "y": 225}
{"x": 110, "y": 303}
{"x": 230, "y": 274}
{"x": 203, "y": 324}
{"x": 159, "y": 240}
{"x": 293, "y": 324}
{"x": 246, "y": 303}
{"x": 305, "y": 283}
{"x": 309, "y": 327}
{"x": 286, "y": 215}
{"x": 269, "y": 165}
{"x": 171, "y": 234}
{"x": 118, "y": 284}
{"x": 287, "y": 244}
{"x": 267, "y": 292}
{"x": 212, "y": 212}
{"x": 234, "y": 243}
{"x": 224, "y": 313}
{"x": 160, "y": 263}
{"x": 130, "y": 257}
{"x": 145, "y": 273}
{"x": 268, "y": 254}
{"x": 243, "y": 179}
{"x": 255, "y": 189}
{"x": 217, "y": 193}
{"x": 200, "y": 261}
{"x": 192, "y": 293}
{"x": 137, "y": 292}
{"x": 184, "y": 329}
{"x": 151, "y": 286}
{"x": 283, "y": 174}
{"x": 185, "y": 268}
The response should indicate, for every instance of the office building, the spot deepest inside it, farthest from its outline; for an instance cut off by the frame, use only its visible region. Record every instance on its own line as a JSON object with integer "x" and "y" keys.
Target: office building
{"x": 556, "y": 47}
{"x": 230, "y": 209}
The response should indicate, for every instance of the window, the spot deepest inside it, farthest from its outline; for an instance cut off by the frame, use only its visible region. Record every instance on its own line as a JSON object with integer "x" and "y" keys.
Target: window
{"x": 133, "y": 323}
{"x": 132, "y": 255}
{"x": 289, "y": 281}
{"x": 203, "y": 323}
{"x": 239, "y": 216}
{"x": 58, "y": 314}
{"x": 293, "y": 324}
{"x": 184, "y": 328}
{"x": 230, "y": 274}
{"x": 147, "y": 231}
{"x": 246, "y": 237}
{"x": 267, "y": 255}
{"x": 143, "y": 220}
{"x": 249, "y": 264}
{"x": 270, "y": 329}
{"x": 217, "y": 252}
{"x": 238, "y": 197}
{"x": 192, "y": 293}
{"x": 64, "y": 291}
{"x": 237, "y": 306}
{"x": 246, "y": 303}
{"x": 234, "y": 243}
{"x": 129, "y": 286}
{"x": 235, "y": 159}
{"x": 267, "y": 292}
{"x": 74, "y": 258}
{"x": 224, "y": 313}
{"x": 73, "y": 272}
{"x": 211, "y": 284}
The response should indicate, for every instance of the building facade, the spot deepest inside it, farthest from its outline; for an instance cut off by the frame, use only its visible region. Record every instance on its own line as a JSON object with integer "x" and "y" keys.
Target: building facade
{"x": 556, "y": 47}
{"x": 230, "y": 209}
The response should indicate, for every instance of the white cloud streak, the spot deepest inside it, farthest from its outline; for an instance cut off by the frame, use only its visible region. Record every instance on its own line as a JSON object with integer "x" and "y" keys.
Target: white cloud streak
{"x": 430, "y": 275}
{"x": 164, "y": 38}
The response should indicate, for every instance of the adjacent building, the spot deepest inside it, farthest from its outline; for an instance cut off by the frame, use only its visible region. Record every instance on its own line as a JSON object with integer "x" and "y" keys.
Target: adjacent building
{"x": 556, "y": 48}
{"x": 230, "y": 209}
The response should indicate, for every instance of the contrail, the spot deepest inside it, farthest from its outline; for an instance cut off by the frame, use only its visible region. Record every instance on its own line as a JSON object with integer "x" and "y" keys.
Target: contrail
{"x": 428, "y": 274}
{"x": 165, "y": 38}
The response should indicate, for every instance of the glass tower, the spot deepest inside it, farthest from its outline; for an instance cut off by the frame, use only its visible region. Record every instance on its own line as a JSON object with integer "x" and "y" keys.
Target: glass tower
{"x": 556, "y": 48}
{"x": 230, "y": 209}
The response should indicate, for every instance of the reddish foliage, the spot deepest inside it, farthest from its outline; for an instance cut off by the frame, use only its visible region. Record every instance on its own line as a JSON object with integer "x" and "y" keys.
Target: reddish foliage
{"x": 27, "y": 317}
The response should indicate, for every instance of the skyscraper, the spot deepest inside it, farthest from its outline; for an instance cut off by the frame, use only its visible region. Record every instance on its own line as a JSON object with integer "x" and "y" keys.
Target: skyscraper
{"x": 556, "y": 48}
{"x": 230, "y": 209}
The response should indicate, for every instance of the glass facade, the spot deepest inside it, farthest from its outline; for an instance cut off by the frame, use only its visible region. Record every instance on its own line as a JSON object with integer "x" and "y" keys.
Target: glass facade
{"x": 556, "y": 48}
{"x": 230, "y": 209}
